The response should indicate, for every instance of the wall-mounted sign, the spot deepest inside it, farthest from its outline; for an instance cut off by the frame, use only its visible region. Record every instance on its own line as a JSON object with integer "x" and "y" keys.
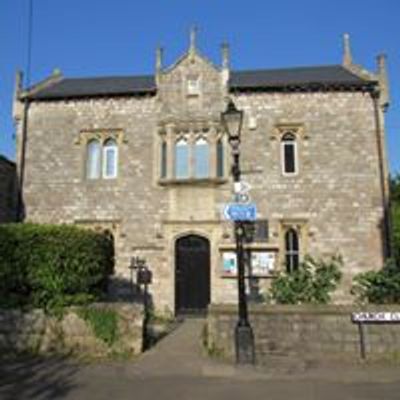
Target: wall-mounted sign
{"x": 229, "y": 265}
{"x": 262, "y": 263}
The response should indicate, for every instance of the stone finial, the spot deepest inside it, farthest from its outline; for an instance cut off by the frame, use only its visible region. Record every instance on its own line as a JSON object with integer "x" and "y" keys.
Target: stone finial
{"x": 18, "y": 83}
{"x": 193, "y": 38}
{"x": 347, "y": 58}
{"x": 17, "y": 105}
{"x": 159, "y": 59}
{"x": 225, "y": 55}
{"x": 57, "y": 72}
{"x": 383, "y": 80}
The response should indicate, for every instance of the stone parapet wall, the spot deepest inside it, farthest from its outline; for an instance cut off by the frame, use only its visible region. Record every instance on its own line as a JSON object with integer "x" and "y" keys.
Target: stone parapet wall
{"x": 305, "y": 331}
{"x": 34, "y": 331}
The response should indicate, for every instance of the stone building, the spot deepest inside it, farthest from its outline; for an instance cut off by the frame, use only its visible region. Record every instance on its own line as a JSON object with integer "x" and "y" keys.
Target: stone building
{"x": 8, "y": 188}
{"x": 146, "y": 158}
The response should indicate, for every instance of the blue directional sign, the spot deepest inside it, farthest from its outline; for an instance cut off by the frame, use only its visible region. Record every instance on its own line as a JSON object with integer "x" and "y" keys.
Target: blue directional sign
{"x": 240, "y": 212}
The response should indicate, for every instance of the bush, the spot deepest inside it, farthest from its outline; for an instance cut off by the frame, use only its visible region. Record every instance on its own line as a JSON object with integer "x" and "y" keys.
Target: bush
{"x": 378, "y": 287}
{"x": 52, "y": 266}
{"x": 313, "y": 282}
{"x": 104, "y": 323}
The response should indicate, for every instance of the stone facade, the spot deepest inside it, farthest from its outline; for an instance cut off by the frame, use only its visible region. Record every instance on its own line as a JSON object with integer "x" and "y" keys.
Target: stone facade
{"x": 335, "y": 201}
{"x": 8, "y": 187}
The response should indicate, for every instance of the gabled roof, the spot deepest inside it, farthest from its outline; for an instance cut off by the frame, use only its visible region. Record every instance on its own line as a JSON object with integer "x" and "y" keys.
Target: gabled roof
{"x": 271, "y": 79}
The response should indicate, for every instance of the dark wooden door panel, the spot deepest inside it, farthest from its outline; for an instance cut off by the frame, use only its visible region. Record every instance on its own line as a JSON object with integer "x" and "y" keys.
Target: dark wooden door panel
{"x": 192, "y": 290}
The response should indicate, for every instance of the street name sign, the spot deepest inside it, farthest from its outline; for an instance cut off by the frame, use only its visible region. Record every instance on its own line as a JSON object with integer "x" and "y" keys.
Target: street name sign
{"x": 240, "y": 212}
{"x": 376, "y": 317}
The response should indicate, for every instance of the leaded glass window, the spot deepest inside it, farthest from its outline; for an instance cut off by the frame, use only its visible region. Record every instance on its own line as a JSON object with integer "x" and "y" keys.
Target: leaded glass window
{"x": 220, "y": 159}
{"x": 163, "y": 159}
{"x": 292, "y": 250}
{"x": 110, "y": 159}
{"x": 181, "y": 159}
{"x": 201, "y": 155}
{"x": 289, "y": 154}
{"x": 93, "y": 159}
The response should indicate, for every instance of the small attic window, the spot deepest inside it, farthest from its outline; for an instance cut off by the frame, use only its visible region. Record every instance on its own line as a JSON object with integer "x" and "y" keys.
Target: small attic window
{"x": 193, "y": 86}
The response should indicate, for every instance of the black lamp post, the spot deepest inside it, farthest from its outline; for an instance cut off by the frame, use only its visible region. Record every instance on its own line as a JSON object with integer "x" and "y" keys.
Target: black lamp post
{"x": 232, "y": 119}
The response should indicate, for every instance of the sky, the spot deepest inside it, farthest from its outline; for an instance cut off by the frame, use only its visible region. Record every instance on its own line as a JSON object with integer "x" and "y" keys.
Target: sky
{"x": 118, "y": 37}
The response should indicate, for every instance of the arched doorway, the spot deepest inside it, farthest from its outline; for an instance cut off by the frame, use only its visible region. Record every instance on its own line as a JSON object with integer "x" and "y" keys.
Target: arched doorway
{"x": 192, "y": 274}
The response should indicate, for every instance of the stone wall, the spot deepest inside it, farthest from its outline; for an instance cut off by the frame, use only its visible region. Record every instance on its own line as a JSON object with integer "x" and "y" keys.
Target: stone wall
{"x": 310, "y": 332}
{"x": 36, "y": 332}
{"x": 8, "y": 188}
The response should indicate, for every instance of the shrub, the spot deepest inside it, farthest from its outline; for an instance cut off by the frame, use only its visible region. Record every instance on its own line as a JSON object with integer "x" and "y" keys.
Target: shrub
{"x": 378, "y": 287}
{"x": 104, "y": 323}
{"x": 51, "y": 266}
{"x": 313, "y": 282}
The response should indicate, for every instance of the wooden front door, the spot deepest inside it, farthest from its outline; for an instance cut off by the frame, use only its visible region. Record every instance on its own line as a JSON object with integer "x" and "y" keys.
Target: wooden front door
{"x": 192, "y": 274}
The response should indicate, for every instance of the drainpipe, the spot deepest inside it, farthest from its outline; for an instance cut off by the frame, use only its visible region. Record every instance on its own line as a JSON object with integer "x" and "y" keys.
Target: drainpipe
{"x": 21, "y": 161}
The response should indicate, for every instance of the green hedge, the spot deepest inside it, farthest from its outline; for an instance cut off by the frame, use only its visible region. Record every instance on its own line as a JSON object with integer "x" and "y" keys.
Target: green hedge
{"x": 378, "y": 287}
{"x": 52, "y": 265}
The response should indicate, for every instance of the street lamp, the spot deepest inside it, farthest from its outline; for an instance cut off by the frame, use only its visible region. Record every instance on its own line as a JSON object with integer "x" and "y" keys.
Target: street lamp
{"x": 232, "y": 120}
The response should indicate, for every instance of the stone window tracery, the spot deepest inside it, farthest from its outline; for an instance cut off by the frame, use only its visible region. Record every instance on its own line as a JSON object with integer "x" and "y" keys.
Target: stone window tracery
{"x": 187, "y": 152}
{"x": 101, "y": 158}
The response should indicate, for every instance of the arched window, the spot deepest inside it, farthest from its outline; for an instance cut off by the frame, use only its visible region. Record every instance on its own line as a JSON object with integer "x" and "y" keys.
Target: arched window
{"x": 220, "y": 158}
{"x": 93, "y": 159}
{"x": 181, "y": 159}
{"x": 163, "y": 159}
{"x": 110, "y": 159}
{"x": 289, "y": 154}
{"x": 292, "y": 251}
{"x": 201, "y": 157}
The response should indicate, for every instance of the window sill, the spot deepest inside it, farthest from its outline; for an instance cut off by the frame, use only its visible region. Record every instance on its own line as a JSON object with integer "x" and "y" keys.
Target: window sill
{"x": 100, "y": 181}
{"x": 192, "y": 181}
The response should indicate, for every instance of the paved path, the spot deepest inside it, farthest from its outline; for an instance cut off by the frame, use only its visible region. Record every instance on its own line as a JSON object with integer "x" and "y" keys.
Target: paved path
{"x": 177, "y": 369}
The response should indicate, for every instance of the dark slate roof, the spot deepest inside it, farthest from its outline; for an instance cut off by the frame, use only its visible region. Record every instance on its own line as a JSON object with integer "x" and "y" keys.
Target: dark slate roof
{"x": 313, "y": 77}
{"x": 7, "y": 161}
{"x": 104, "y": 86}
{"x": 335, "y": 75}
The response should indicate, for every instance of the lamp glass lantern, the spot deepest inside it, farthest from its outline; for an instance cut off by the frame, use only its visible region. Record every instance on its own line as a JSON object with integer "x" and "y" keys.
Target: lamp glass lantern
{"x": 232, "y": 120}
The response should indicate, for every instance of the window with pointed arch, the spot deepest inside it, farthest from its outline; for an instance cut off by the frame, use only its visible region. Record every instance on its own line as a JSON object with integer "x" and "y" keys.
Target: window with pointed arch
{"x": 201, "y": 158}
{"x": 110, "y": 159}
{"x": 289, "y": 158}
{"x": 292, "y": 250}
{"x": 93, "y": 159}
{"x": 182, "y": 158}
{"x": 101, "y": 159}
